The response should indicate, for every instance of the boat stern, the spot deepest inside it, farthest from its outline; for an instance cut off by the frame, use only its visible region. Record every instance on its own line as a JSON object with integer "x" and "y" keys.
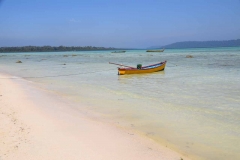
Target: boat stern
{"x": 121, "y": 71}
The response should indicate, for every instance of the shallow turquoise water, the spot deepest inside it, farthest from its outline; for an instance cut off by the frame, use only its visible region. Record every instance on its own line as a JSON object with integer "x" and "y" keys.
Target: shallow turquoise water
{"x": 193, "y": 106}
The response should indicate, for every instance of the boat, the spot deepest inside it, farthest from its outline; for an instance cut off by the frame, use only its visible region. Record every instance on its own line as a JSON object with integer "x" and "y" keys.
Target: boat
{"x": 161, "y": 50}
{"x": 139, "y": 70}
{"x": 118, "y": 51}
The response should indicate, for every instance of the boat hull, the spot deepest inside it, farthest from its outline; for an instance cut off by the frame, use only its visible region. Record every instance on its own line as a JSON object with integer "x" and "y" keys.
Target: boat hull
{"x": 118, "y": 52}
{"x": 155, "y": 50}
{"x": 147, "y": 69}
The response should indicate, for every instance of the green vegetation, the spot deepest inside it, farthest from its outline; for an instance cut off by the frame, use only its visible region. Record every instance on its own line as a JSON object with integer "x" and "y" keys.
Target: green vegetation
{"x": 50, "y": 49}
{"x": 203, "y": 44}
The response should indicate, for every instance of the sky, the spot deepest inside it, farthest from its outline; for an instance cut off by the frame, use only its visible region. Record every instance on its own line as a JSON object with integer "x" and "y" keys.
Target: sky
{"x": 116, "y": 23}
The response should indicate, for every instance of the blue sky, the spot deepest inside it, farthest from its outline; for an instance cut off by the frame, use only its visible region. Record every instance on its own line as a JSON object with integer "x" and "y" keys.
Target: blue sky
{"x": 116, "y": 23}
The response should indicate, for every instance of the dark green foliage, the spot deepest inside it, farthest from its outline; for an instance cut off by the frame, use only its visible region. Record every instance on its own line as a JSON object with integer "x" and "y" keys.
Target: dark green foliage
{"x": 49, "y": 49}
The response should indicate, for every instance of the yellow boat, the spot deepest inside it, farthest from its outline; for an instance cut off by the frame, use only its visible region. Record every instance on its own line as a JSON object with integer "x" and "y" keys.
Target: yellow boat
{"x": 139, "y": 70}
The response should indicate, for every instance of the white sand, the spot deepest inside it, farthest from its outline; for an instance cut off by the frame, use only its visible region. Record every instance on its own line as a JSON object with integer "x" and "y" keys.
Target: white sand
{"x": 38, "y": 125}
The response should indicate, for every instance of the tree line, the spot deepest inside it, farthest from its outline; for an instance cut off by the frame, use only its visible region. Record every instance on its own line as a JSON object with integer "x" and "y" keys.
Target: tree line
{"x": 50, "y": 49}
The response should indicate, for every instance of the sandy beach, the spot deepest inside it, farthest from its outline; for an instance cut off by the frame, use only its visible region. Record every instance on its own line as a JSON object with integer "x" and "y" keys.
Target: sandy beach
{"x": 37, "y": 124}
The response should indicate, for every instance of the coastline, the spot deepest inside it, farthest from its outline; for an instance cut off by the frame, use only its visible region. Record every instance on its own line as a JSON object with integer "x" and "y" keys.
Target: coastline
{"x": 36, "y": 124}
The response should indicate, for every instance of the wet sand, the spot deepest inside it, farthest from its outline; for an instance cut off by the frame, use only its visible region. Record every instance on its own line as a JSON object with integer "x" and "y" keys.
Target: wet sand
{"x": 40, "y": 125}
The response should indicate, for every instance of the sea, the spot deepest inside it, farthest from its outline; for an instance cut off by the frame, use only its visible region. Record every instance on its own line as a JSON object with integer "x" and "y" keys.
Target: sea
{"x": 192, "y": 107}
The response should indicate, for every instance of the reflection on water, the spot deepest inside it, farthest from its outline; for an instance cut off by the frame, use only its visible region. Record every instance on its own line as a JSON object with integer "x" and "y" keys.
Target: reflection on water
{"x": 191, "y": 106}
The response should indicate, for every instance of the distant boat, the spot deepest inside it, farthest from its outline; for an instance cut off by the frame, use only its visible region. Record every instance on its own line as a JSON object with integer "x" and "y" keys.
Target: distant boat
{"x": 161, "y": 50}
{"x": 118, "y": 51}
{"x": 139, "y": 70}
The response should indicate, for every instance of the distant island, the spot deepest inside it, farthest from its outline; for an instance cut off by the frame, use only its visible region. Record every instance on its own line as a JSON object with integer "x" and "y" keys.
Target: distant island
{"x": 203, "y": 44}
{"x": 50, "y": 49}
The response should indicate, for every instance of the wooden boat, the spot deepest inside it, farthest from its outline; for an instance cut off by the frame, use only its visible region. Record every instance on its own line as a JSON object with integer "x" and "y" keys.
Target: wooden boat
{"x": 155, "y": 50}
{"x": 118, "y": 51}
{"x": 139, "y": 70}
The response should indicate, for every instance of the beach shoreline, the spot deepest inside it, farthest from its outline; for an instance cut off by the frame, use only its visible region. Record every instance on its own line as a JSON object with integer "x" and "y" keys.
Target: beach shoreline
{"x": 36, "y": 124}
